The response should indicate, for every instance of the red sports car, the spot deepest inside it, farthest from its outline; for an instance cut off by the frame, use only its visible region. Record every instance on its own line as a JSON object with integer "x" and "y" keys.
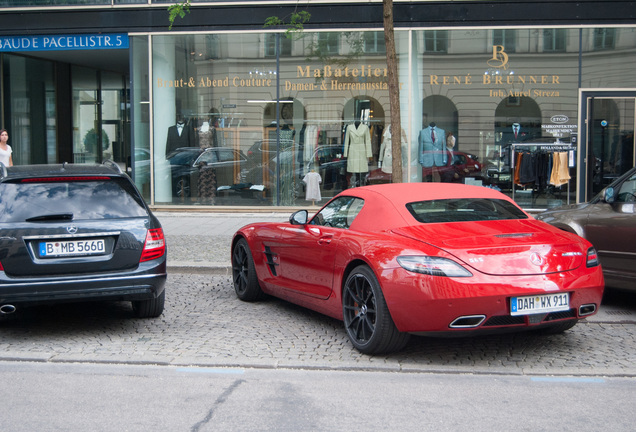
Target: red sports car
{"x": 416, "y": 258}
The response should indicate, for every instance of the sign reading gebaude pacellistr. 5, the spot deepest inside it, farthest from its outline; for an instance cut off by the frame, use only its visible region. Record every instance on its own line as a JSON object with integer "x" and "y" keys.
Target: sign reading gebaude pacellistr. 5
{"x": 63, "y": 42}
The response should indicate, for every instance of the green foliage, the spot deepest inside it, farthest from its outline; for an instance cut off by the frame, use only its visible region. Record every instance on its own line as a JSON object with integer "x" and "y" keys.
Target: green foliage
{"x": 178, "y": 10}
{"x": 296, "y": 22}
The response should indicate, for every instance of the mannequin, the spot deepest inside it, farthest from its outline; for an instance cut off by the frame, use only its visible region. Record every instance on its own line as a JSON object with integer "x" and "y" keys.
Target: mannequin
{"x": 432, "y": 142}
{"x": 357, "y": 150}
{"x": 179, "y": 135}
{"x": 207, "y": 130}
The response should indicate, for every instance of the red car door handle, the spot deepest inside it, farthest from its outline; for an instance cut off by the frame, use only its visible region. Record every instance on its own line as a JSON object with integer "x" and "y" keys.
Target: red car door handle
{"x": 325, "y": 240}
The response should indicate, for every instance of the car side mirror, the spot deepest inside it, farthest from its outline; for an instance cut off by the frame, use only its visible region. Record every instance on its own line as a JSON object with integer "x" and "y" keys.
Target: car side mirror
{"x": 608, "y": 195}
{"x": 300, "y": 217}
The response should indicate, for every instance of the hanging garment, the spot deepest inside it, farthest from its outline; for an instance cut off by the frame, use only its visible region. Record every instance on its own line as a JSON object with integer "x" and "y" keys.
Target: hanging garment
{"x": 560, "y": 170}
{"x": 527, "y": 169}
{"x": 312, "y": 180}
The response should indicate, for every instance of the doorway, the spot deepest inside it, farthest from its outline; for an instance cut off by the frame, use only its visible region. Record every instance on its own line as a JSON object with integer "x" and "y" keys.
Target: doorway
{"x": 100, "y": 117}
{"x": 607, "y": 139}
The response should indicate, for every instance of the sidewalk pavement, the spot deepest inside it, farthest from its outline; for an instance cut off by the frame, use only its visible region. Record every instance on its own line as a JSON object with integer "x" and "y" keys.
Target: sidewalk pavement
{"x": 199, "y": 243}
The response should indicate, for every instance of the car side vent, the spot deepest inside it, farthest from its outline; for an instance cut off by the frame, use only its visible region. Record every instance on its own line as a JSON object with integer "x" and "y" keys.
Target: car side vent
{"x": 271, "y": 262}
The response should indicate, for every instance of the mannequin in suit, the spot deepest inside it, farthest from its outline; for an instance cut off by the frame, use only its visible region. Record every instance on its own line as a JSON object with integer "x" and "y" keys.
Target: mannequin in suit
{"x": 514, "y": 134}
{"x": 432, "y": 143}
{"x": 179, "y": 135}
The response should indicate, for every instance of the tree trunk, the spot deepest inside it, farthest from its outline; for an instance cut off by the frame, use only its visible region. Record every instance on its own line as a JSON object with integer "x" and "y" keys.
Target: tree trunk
{"x": 394, "y": 91}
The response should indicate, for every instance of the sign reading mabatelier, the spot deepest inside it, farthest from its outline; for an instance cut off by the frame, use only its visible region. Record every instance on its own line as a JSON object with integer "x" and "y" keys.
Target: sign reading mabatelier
{"x": 63, "y": 42}
{"x": 362, "y": 77}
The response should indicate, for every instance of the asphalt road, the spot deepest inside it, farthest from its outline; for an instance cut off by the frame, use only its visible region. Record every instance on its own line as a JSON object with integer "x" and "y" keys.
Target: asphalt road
{"x": 101, "y": 397}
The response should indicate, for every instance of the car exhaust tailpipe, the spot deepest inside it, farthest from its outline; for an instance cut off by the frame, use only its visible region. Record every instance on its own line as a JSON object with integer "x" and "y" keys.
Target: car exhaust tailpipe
{"x": 587, "y": 309}
{"x": 468, "y": 321}
{"x": 7, "y": 309}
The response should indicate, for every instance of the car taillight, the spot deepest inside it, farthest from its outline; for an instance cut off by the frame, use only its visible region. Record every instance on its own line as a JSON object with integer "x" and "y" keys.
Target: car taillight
{"x": 155, "y": 245}
{"x": 433, "y": 266}
{"x": 592, "y": 257}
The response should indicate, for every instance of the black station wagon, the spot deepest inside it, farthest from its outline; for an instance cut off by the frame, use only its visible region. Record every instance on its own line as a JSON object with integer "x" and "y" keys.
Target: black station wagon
{"x": 73, "y": 232}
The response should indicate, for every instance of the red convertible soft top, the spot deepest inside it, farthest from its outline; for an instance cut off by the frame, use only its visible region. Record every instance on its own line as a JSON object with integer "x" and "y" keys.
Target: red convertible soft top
{"x": 385, "y": 204}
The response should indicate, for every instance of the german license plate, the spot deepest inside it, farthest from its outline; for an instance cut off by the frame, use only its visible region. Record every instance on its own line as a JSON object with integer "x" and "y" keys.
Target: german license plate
{"x": 539, "y": 304}
{"x": 72, "y": 248}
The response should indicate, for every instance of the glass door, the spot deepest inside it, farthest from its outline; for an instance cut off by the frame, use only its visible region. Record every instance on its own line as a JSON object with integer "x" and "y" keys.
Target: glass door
{"x": 608, "y": 141}
{"x": 99, "y": 117}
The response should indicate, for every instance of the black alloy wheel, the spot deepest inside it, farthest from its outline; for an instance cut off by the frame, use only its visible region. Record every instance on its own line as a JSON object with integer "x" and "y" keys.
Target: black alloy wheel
{"x": 366, "y": 316}
{"x": 246, "y": 283}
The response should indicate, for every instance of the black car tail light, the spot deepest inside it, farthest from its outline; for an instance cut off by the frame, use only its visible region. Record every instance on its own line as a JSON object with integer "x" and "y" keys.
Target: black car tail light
{"x": 155, "y": 245}
{"x": 592, "y": 257}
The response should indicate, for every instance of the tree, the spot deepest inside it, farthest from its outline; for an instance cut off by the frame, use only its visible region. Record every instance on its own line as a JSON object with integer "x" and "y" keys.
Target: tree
{"x": 394, "y": 90}
{"x": 178, "y": 10}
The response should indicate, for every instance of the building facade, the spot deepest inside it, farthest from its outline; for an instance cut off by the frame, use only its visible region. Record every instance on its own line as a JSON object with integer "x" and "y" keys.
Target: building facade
{"x": 533, "y": 98}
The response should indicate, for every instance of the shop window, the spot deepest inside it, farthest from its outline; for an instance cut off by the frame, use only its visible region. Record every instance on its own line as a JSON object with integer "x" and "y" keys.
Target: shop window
{"x": 270, "y": 45}
{"x": 505, "y": 38}
{"x": 328, "y": 42}
{"x": 554, "y": 40}
{"x": 604, "y": 39}
{"x": 436, "y": 41}
{"x": 374, "y": 42}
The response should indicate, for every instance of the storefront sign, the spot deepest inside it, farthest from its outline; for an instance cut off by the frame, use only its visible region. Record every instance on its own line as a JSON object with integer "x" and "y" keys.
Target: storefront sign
{"x": 559, "y": 130}
{"x": 63, "y": 42}
{"x": 501, "y": 81}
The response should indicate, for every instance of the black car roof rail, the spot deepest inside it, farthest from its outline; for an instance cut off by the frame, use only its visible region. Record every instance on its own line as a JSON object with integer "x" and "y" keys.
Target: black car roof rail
{"x": 4, "y": 170}
{"x": 113, "y": 164}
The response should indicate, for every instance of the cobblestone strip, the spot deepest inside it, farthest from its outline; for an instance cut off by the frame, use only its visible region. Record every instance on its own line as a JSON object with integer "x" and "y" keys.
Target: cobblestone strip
{"x": 204, "y": 324}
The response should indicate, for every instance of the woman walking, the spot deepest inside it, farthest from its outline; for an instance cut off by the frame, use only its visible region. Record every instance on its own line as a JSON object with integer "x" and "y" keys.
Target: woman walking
{"x": 5, "y": 149}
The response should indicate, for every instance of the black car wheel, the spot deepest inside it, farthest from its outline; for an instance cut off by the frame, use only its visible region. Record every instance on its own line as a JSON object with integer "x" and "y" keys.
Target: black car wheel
{"x": 149, "y": 308}
{"x": 366, "y": 316}
{"x": 243, "y": 273}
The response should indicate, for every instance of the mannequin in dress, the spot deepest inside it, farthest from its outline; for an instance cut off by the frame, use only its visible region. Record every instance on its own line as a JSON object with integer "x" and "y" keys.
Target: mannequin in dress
{"x": 357, "y": 150}
{"x": 207, "y": 130}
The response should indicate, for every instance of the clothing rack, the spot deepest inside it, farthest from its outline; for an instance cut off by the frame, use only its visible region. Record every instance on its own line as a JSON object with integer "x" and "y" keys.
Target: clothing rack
{"x": 554, "y": 147}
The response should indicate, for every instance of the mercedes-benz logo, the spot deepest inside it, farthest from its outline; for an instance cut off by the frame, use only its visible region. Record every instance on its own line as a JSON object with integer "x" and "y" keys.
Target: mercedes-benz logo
{"x": 536, "y": 259}
{"x": 72, "y": 229}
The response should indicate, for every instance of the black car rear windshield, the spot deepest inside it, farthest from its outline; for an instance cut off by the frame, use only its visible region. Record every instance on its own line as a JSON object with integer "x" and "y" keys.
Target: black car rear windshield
{"x": 70, "y": 200}
{"x": 464, "y": 210}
